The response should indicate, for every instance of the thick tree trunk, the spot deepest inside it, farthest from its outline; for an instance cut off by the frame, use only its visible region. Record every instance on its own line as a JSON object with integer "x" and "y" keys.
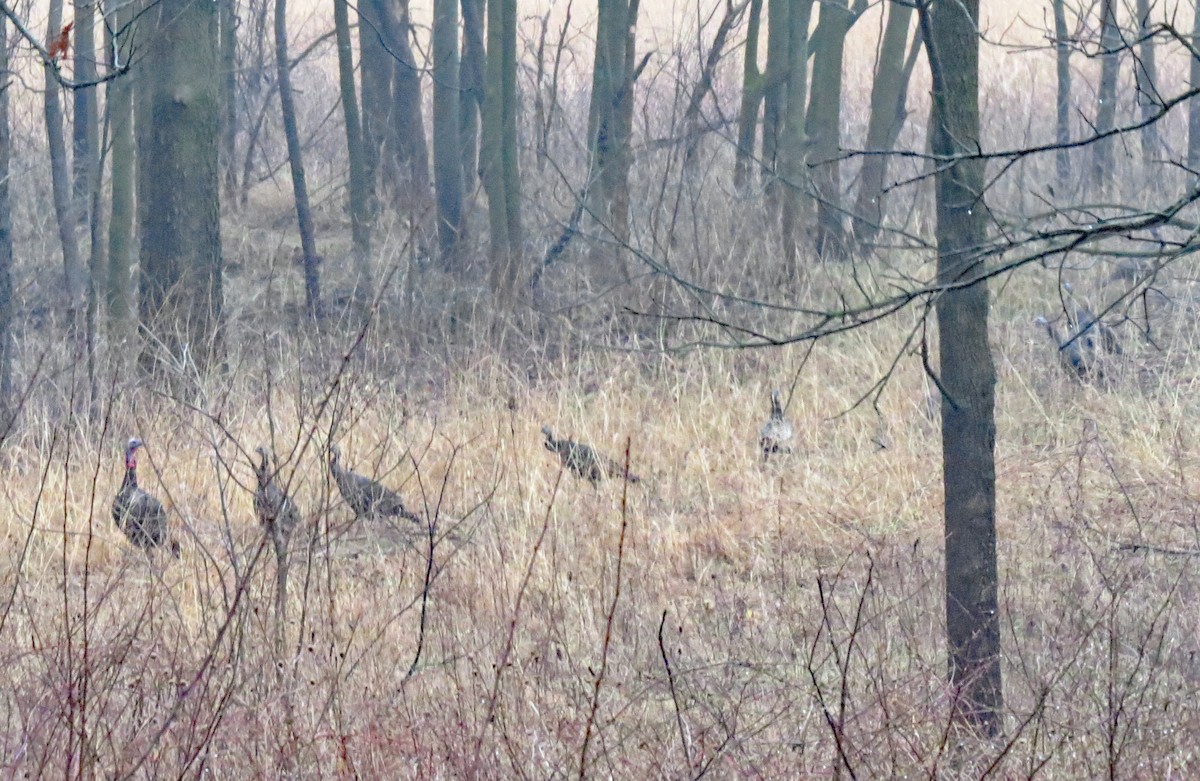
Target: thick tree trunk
{"x": 968, "y": 373}
{"x": 406, "y": 149}
{"x": 883, "y": 126}
{"x": 65, "y": 212}
{"x": 376, "y": 65}
{"x": 1146, "y": 74}
{"x": 472, "y": 96}
{"x": 360, "y": 185}
{"x": 752, "y": 93}
{"x": 179, "y": 185}
{"x": 119, "y": 105}
{"x": 312, "y": 279}
{"x": 823, "y": 124}
{"x": 7, "y": 339}
{"x": 227, "y": 22}
{"x": 792, "y": 156}
{"x": 501, "y": 175}
{"x": 1062, "y": 135}
{"x": 1193, "y": 154}
{"x": 775, "y": 84}
{"x": 447, "y": 138}
{"x": 1106, "y": 112}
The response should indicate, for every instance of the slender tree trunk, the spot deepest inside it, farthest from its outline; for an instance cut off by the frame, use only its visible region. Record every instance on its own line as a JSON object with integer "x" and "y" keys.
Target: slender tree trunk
{"x": 7, "y": 338}
{"x": 447, "y": 138}
{"x": 65, "y": 212}
{"x": 775, "y": 85}
{"x": 692, "y": 127}
{"x": 883, "y": 126}
{"x": 408, "y": 150}
{"x": 752, "y": 93}
{"x": 229, "y": 114}
{"x": 85, "y": 132}
{"x": 1062, "y": 135}
{"x": 501, "y": 175}
{"x": 792, "y": 155}
{"x": 360, "y": 186}
{"x": 376, "y": 65}
{"x": 179, "y": 184}
{"x": 968, "y": 373}
{"x": 312, "y": 279}
{"x": 1146, "y": 75}
{"x": 1193, "y": 155}
{"x": 119, "y": 105}
{"x": 1106, "y": 112}
{"x": 824, "y": 122}
{"x": 472, "y": 96}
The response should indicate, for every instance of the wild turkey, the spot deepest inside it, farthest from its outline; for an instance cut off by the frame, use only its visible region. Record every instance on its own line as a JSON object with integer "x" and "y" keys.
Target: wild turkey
{"x": 1083, "y": 321}
{"x": 776, "y": 433}
{"x": 1077, "y": 356}
{"x": 136, "y": 512}
{"x": 364, "y": 495}
{"x": 585, "y": 461}
{"x": 274, "y": 508}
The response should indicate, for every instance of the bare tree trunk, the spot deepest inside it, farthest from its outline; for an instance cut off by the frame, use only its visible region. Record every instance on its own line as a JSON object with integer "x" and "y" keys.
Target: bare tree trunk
{"x": 1106, "y": 112}
{"x": 968, "y": 373}
{"x": 693, "y": 131}
{"x": 792, "y": 155}
{"x": 229, "y": 114}
{"x": 1062, "y": 52}
{"x": 376, "y": 65}
{"x": 360, "y": 185}
{"x": 7, "y": 338}
{"x": 1146, "y": 74}
{"x": 179, "y": 185}
{"x": 775, "y": 85}
{"x": 824, "y": 122}
{"x": 312, "y": 279}
{"x": 752, "y": 93}
{"x": 405, "y": 143}
{"x": 883, "y": 126}
{"x": 119, "y": 105}
{"x": 501, "y": 175}
{"x": 1193, "y": 156}
{"x": 65, "y": 212}
{"x": 472, "y": 96}
{"x": 447, "y": 138}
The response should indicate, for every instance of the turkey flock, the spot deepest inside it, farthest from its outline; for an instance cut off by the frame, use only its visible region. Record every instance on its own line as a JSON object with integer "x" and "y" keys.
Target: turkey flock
{"x": 143, "y": 519}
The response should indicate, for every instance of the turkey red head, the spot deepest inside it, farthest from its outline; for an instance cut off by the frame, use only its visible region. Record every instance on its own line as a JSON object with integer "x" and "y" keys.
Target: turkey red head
{"x": 131, "y": 453}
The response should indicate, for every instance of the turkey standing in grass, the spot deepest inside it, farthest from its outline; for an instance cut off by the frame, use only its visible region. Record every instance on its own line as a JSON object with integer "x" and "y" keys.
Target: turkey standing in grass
{"x": 584, "y": 460}
{"x": 1077, "y": 356}
{"x": 136, "y": 512}
{"x": 364, "y": 495}
{"x": 776, "y": 433}
{"x": 276, "y": 511}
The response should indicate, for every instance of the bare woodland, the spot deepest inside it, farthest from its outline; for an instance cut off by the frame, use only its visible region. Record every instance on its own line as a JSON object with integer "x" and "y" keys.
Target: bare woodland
{"x": 731, "y": 388}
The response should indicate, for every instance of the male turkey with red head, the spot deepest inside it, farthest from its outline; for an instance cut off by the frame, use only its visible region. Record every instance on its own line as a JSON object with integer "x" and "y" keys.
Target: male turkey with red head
{"x": 136, "y": 512}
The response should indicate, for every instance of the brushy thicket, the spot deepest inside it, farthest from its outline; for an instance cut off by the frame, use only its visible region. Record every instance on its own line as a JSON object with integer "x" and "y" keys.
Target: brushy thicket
{"x": 723, "y": 616}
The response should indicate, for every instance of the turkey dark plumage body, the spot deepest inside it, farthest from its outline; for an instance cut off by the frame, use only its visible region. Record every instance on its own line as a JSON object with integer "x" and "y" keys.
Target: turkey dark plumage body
{"x": 775, "y": 436}
{"x": 1077, "y": 356}
{"x": 138, "y": 514}
{"x": 274, "y": 508}
{"x": 365, "y": 496}
{"x": 584, "y": 460}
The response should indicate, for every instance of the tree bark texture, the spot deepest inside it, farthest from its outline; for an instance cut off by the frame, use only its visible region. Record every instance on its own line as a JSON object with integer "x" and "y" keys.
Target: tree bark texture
{"x": 447, "y": 138}
{"x": 883, "y": 125}
{"x": 406, "y": 142}
{"x": 7, "y": 338}
{"x": 119, "y": 105}
{"x": 65, "y": 213}
{"x": 1193, "y": 153}
{"x": 308, "y": 244}
{"x": 792, "y": 154}
{"x": 228, "y": 22}
{"x": 775, "y": 84}
{"x": 1106, "y": 111}
{"x": 501, "y": 173}
{"x": 823, "y": 124}
{"x": 359, "y": 185}
{"x": 752, "y": 92}
{"x": 472, "y": 96}
{"x": 1062, "y": 61}
{"x": 179, "y": 183}
{"x": 375, "y": 66}
{"x": 1146, "y": 75}
{"x": 968, "y": 373}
